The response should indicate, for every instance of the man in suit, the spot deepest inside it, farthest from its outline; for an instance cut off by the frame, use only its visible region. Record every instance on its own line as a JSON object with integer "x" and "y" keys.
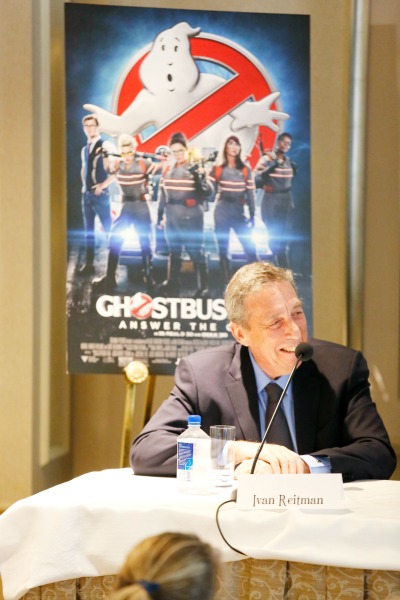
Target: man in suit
{"x": 333, "y": 423}
{"x": 95, "y": 198}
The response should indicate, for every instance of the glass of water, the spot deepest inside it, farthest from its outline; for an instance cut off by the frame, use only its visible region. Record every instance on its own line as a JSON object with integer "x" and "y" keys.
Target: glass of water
{"x": 222, "y": 455}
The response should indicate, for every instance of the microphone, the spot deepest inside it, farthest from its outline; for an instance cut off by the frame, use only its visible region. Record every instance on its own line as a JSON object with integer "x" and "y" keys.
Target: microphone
{"x": 303, "y": 352}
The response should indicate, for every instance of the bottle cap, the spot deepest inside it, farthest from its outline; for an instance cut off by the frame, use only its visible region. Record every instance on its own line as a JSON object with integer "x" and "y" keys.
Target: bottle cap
{"x": 194, "y": 420}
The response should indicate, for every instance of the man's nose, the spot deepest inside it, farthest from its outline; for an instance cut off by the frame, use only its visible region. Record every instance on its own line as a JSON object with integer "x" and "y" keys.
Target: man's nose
{"x": 292, "y": 326}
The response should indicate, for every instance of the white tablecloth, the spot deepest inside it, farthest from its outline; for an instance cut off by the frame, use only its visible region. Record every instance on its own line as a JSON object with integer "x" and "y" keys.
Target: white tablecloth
{"x": 85, "y": 527}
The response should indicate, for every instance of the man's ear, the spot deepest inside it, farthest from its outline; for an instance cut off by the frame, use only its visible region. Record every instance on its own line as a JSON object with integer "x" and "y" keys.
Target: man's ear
{"x": 239, "y": 333}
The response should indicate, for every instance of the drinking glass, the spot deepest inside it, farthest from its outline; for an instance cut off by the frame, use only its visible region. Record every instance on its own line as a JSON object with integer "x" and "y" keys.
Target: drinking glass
{"x": 222, "y": 455}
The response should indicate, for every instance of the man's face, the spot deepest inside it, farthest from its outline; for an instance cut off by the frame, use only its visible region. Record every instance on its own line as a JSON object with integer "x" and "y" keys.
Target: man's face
{"x": 91, "y": 129}
{"x": 276, "y": 325}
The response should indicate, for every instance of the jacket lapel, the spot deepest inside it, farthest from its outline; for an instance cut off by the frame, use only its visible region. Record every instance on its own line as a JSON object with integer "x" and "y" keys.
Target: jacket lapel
{"x": 306, "y": 391}
{"x": 242, "y": 392}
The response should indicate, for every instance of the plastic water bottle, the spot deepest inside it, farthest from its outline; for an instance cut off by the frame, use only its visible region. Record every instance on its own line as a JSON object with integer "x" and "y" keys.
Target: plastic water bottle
{"x": 193, "y": 459}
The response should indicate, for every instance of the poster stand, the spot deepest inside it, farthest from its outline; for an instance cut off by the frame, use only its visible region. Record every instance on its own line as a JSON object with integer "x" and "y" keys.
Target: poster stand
{"x": 135, "y": 372}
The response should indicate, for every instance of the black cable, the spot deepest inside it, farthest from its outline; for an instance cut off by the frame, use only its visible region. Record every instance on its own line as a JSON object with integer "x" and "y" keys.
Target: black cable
{"x": 220, "y": 532}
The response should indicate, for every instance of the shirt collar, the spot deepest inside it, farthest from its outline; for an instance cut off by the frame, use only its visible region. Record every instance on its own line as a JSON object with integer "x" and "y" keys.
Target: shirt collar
{"x": 262, "y": 379}
{"x": 94, "y": 141}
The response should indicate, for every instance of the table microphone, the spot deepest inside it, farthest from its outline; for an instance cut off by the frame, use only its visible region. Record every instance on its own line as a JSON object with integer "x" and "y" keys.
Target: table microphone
{"x": 303, "y": 352}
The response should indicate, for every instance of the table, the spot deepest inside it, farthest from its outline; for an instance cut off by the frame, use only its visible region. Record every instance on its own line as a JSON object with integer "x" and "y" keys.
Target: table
{"x": 79, "y": 533}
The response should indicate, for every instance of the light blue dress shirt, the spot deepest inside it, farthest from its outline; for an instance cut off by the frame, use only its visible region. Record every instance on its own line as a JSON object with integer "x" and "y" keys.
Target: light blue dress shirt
{"x": 316, "y": 464}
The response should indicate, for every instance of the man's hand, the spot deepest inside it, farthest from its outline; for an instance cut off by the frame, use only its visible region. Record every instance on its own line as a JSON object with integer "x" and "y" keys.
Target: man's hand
{"x": 262, "y": 468}
{"x": 277, "y": 459}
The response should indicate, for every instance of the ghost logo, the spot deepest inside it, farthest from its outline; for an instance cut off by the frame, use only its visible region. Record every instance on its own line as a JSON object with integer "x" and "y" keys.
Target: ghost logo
{"x": 141, "y": 306}
{"x": 165, "y": 89}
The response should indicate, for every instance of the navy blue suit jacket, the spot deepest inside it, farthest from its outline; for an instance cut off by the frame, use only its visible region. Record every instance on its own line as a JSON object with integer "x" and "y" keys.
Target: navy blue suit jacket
{"x": 334, "y": 413}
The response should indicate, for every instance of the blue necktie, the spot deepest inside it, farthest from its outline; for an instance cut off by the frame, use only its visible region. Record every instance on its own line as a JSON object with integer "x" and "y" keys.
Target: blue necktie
{"x": 279, "y": 432}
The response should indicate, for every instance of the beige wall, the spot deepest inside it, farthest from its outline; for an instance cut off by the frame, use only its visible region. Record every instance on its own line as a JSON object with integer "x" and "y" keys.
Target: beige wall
{"x": 382, "y": 226}
{"x": 16, "y": 243}
{"x": 40, "y": 442}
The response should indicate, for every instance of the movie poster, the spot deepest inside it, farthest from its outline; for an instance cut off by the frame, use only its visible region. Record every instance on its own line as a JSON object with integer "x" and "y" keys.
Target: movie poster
{"x": 188, "y": 156}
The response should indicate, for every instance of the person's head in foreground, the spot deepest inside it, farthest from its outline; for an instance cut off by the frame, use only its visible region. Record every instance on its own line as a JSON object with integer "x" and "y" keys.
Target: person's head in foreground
{"x": 168, "y": 566}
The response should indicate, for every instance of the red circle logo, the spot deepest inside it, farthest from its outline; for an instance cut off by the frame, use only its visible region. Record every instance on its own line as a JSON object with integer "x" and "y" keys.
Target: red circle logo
{"x": 141, "y": 306}
{"x": 248, "y": 81}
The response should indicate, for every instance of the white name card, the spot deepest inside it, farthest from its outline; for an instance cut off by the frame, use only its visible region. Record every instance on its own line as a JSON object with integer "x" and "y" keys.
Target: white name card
{"x": 289, "y": 491}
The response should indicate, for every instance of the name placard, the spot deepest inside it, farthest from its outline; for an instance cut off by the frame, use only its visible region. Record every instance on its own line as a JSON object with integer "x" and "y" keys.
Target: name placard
{"x": 268, "y": 492}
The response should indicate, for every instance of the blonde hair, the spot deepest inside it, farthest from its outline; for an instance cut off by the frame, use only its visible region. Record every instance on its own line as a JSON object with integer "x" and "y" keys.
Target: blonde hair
{"x": 249, "y": 280}
{"x": 127, "y": 140}
{"x": 168, "y": 566}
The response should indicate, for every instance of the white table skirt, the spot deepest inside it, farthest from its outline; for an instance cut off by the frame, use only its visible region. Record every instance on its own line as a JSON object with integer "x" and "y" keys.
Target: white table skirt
{"x": 85, "y": 528}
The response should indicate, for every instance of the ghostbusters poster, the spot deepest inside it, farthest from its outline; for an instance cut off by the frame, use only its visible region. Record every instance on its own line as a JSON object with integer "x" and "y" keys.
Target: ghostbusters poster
{"x": 188, "y": 156}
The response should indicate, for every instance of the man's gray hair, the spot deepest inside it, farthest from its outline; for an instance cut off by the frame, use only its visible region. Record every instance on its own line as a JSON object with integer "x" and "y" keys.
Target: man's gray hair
{"x": 249, "y": 280}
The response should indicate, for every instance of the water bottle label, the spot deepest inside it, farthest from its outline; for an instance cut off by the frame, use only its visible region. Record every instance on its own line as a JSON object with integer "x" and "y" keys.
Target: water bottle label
{"x": 185, "y": 456}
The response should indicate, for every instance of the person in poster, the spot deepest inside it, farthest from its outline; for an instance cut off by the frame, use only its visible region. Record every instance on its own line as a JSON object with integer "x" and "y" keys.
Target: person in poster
{"x": 275, "y": 174}
{"x": 95, "y": 196}
{"x": 184, "y": 189}
{"x": 235, "y": 189}
{"x": 131, "y": 174}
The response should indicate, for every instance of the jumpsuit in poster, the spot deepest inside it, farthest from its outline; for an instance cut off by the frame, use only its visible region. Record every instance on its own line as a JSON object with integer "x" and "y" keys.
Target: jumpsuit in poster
{"x": 144, "y": 75}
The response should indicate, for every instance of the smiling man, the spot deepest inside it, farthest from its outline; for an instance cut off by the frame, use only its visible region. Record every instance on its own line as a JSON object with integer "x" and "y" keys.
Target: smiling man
{"x": 331, "y": 423}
